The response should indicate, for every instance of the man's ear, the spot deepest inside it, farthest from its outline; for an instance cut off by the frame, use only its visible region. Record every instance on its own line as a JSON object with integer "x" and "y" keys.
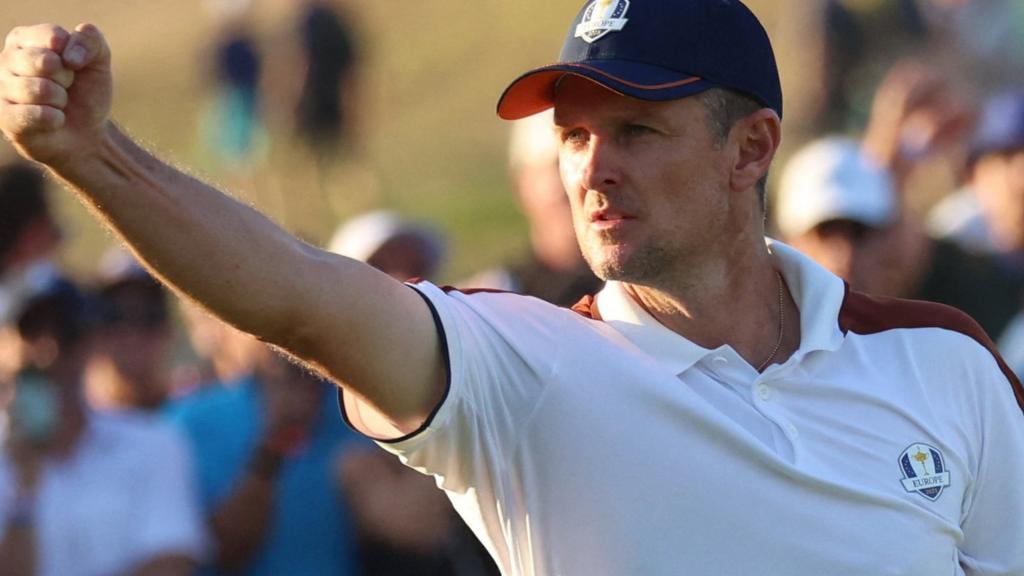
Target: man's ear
{"x": 756, "y": 138}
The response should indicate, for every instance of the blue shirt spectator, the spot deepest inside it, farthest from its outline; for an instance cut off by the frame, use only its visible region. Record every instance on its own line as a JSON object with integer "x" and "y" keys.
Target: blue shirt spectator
{"x": 309, "y": 529}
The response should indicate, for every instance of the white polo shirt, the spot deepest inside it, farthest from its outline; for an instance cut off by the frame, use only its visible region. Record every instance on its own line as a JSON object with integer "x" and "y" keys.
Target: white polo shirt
{"x": 889, "y": 443}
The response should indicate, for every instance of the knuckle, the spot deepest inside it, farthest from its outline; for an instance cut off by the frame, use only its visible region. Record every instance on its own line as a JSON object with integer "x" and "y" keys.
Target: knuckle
{"x": 45, "y": 61}
{"x": 35, "y": 89}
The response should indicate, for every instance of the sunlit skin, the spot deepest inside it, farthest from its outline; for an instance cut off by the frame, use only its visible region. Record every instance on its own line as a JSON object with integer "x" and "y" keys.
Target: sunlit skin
{"x": 661, "y": 205}
{"x": 629, "y": 168}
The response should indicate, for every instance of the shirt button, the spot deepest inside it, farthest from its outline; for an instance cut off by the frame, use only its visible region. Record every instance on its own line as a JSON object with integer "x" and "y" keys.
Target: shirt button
{"x": 764, "y": 392}
{"x": 721, "y": 360}
{"x": 792, "y": 430}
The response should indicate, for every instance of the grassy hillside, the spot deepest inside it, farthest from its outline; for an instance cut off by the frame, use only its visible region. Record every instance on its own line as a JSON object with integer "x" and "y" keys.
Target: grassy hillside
{"x": 434, "y": 148}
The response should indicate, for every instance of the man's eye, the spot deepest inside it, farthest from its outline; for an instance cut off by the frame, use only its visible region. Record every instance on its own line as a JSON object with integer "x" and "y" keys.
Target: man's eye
{"x": 638, "y": 130}
{"x": 575, "y": 137}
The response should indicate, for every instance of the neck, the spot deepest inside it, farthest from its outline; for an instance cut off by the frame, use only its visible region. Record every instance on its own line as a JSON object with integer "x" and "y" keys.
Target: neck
{"x": 734, "y": 304}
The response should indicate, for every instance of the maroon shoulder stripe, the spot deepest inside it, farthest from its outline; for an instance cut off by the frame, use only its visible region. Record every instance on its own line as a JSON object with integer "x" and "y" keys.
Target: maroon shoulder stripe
{"x": 587, "y": 307}
{"x": 864, "y": 314}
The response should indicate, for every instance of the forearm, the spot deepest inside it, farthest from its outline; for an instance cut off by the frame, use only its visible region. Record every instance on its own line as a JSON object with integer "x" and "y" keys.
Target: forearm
{"x": 240, "y": 524}
{"x": 207, "y": 245}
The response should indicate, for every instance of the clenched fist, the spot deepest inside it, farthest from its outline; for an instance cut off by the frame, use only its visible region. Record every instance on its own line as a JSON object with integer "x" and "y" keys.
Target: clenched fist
{"x": 55, "y": 91}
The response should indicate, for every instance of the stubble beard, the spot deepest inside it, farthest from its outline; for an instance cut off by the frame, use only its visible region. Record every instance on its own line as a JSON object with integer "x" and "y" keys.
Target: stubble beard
{"x": 648, "y": 265}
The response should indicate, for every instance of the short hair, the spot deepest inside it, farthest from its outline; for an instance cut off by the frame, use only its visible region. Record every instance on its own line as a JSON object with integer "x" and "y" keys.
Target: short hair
{"x": 724, "y": 109}
{"x": 22, "y": 200}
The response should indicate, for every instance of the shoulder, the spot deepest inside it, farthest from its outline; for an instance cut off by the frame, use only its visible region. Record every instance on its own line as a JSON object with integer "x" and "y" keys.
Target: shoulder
{"x": 869, "y": 315}
{"x": 866, "y": 314}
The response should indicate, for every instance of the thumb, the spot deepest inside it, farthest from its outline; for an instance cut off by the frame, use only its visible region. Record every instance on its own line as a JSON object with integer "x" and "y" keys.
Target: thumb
{"x": 86, "y": 48}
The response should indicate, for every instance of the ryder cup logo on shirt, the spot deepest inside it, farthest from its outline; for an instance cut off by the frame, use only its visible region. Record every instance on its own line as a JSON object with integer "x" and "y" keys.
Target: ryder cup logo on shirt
{"x": 602, "y": 17}
{"x": 924, "y": 471}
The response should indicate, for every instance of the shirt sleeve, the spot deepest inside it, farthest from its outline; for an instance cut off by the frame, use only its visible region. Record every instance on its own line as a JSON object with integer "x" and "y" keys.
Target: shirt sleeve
{"x": 502, "y": 350}
{"x": 993, "y": 511}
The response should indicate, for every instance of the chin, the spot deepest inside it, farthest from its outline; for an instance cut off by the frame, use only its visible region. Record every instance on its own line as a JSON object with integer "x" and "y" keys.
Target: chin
{"x": 644, "y": 266}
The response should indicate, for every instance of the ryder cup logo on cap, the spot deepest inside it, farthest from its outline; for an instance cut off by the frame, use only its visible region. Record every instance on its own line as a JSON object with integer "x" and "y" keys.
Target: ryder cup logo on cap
{"x": 602, "y": 17}
{"x": 924, "y": 471}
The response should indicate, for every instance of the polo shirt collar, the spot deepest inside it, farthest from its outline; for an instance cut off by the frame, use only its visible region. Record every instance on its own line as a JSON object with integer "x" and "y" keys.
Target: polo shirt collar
{"x": 818, "y": 294}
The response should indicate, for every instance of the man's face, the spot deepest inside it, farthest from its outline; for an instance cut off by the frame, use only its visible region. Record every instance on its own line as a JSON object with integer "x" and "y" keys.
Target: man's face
{"x": 135, "y": 337}
{"x": 998, "y": 180}
{"x": 647, "y": 183}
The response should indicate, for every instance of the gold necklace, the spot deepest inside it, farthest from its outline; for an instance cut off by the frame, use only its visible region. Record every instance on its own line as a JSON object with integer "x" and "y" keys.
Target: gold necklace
{"x": 782, "y": 327}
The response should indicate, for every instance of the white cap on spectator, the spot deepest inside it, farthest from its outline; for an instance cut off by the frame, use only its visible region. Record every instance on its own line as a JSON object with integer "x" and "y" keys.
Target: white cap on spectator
{"x": 361, "y": 237}
{"x": 831, "y": 179}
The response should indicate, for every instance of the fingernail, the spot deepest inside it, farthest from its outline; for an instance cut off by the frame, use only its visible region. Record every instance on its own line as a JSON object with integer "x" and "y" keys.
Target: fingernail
{"x": 75, "y": 55}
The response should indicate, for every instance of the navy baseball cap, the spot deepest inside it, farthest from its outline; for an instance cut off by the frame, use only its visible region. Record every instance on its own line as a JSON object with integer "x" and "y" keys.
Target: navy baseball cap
{"x": 656, "y": 50}
{"x": 1001, "y": 127}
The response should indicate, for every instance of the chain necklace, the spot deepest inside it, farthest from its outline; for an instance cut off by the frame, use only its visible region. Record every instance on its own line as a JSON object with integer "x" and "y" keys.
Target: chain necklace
{"x": 782, "y": 327}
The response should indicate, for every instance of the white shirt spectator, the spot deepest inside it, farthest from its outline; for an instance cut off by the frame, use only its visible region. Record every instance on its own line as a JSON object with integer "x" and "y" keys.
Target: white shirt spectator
{"x": 124, "y": 496}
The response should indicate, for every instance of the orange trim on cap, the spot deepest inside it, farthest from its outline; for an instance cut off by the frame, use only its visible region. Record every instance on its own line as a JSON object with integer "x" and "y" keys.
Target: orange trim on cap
{"x": 675, "y": 84}
{"x": 534, "y": 91}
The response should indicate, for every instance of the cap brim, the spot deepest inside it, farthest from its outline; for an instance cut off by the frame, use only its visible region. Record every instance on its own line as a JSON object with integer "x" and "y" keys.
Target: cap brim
{"x": 534, "y": 91}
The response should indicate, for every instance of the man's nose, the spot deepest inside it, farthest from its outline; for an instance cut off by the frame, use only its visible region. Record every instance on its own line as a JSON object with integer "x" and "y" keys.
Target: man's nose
{"x": 600, "y": 164}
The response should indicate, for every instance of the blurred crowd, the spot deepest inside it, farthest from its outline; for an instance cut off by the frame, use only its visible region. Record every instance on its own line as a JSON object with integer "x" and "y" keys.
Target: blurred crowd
{"x": 142, "y": 436}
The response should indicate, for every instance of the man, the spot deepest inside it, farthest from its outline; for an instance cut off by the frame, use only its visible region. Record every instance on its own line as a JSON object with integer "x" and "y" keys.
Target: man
{"x": 834, "y": 204}
{"x": 130, "y": 365}
{"x": 265, "y": 449}
{"x": 84, "y": 492}
{"x": 400, "y": 248}
{"x": 722, "y": 404}
{"x": 843, "y": 210}
{"x": 29, "y": 239}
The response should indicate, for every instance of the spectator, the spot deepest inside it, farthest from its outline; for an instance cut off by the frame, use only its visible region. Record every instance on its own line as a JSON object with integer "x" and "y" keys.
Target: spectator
{"x": 222, "y": 353}
{"x": 265, "y": 449}
{"x": 553, "y": 269}
{"x": 834, "y": 205}
{"x": 390, "y": 244}
{"x": 130, "y": 365}
{"x": 233, "y": 134}
{"x": 81, "y": 492}
{"x": 996, "y": 171}
{"x": 996, "y": 189}
{"x": 29, "y": 236}
{"x": 322, "y": 114}
{"x": 842, "y": 209}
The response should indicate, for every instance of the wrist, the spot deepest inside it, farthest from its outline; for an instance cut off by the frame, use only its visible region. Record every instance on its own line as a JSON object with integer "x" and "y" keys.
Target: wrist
{"x": 91, "y": 156}
{"x": 280, "y": 443}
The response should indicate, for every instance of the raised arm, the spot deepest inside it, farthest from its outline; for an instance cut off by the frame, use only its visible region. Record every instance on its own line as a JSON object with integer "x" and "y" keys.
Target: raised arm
{"x": 355, "y": 324}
